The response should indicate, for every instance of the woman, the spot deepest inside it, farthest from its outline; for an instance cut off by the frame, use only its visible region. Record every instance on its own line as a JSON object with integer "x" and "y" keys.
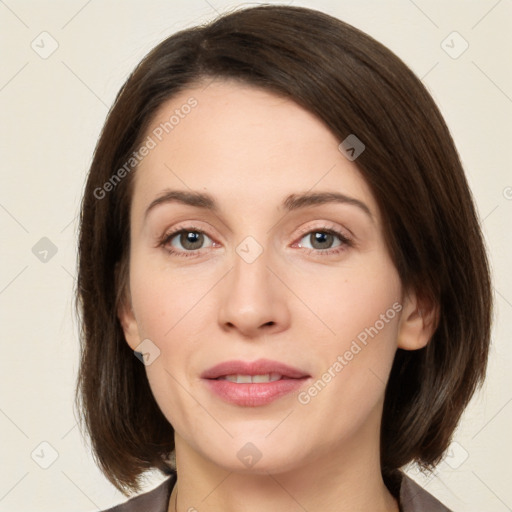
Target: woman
{"x": 277, "y": 224}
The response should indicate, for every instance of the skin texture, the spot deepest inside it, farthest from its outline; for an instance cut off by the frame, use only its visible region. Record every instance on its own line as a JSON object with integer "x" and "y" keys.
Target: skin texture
{"x": 295, "y": 303}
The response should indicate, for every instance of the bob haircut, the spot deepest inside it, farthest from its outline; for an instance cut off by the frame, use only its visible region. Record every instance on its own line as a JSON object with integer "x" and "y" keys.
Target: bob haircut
{"x": 355, "y": 86}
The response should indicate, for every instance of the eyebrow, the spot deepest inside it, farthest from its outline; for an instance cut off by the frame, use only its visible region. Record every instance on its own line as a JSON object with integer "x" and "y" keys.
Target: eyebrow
{"x": 291, "y": 202}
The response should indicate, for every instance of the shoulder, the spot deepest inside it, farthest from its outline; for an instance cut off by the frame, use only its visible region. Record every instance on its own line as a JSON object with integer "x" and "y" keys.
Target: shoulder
{"x": 156, "y": 500}
{"x": 413, "y": 498}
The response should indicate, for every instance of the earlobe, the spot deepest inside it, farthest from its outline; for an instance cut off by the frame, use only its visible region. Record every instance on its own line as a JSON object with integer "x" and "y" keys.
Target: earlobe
{"x": 128, "y": 323}
{"x": 418, "y": 323}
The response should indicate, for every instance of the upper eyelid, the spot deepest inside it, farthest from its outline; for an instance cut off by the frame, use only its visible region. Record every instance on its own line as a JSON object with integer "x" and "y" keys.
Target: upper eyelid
{"x": 172, "y": 233}
{"x": 327, "y": 226}
{"x": 308, "y": 229}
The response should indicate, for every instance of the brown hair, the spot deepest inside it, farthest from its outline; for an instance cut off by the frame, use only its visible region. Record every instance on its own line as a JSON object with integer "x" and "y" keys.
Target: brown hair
{"x": 356, "y": 86}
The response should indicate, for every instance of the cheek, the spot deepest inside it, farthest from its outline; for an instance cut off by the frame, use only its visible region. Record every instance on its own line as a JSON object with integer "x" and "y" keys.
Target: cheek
{"x": 165, "y": 300}
{"x": 356, "y": 336}
{"x": 348, "y": 301}
{"x": 170, "y": 312}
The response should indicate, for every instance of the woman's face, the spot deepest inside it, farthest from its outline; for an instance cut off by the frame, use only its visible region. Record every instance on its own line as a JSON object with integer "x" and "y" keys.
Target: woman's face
{"x": 282, "y": 260}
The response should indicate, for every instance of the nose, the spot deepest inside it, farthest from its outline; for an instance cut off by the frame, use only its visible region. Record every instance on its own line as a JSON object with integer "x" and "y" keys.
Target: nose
{"x": 253, "y": 299}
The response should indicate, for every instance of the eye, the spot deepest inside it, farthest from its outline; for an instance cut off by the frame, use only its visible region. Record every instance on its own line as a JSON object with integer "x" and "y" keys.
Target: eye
{"x": 185, "y": 240}
{"x": 190, "y": 240}
{"x": 324, "y": 241}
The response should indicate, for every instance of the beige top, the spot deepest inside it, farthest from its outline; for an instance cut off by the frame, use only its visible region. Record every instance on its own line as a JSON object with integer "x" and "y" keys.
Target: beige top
{"x": 412, "y": 498}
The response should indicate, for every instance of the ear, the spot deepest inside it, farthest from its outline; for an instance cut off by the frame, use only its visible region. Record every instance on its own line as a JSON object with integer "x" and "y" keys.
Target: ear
{"x": 418, "y": 322}
{"x": 128, "y": 321}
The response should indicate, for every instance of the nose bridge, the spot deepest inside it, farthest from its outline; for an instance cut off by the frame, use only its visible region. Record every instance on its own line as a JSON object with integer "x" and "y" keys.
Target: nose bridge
{"x": 252, "y": 298}
{"x": 250, "y": 277}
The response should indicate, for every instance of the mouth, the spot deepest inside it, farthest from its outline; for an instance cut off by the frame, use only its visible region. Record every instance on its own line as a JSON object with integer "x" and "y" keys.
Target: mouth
{"x": 251, "y": 384}
{"x": 262, "y": 370}
{"x": 248, "y": 379}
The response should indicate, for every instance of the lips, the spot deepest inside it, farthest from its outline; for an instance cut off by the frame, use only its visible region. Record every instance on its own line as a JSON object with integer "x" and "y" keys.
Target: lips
{"x": 259, "y": 367}
{"x": 253, "y": 384}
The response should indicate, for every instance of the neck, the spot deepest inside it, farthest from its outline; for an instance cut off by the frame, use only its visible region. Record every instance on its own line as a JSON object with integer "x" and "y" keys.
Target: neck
{"x": 323, "y": 483}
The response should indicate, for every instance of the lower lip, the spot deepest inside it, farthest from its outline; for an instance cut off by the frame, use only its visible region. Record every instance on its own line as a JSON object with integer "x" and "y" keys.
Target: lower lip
{"x": 253, "y": 394}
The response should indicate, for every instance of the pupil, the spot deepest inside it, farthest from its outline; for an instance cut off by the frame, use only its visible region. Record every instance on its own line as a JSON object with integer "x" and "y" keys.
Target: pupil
{"x": 324, "y": 240}
{"x": 192, "y": 240}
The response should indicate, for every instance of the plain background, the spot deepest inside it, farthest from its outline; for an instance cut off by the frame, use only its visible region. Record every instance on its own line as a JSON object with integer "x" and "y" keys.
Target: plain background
{"x": 52, "y": 110}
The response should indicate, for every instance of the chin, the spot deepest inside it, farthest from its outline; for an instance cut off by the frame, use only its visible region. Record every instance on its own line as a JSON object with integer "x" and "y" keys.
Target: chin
{"x": 258, "y": 456}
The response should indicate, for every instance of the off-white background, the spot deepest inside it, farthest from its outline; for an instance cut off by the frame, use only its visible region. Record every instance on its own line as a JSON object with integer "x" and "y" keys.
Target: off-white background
{"x": 52, "y": 111}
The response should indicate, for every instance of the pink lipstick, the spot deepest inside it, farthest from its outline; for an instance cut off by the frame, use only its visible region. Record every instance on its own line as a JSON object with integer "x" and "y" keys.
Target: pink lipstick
{"x": 252, "y": 384}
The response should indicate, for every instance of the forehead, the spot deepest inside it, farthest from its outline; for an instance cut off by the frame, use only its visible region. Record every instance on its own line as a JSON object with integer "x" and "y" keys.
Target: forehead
{"x": 239, "y": 141}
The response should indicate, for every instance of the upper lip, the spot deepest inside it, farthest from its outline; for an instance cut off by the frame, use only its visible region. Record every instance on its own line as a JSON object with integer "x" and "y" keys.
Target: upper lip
{"x": 259, "y": 367}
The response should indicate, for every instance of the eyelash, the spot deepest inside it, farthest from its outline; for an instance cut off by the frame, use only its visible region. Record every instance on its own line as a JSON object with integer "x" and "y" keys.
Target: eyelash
{"x": 345, "y": 241}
